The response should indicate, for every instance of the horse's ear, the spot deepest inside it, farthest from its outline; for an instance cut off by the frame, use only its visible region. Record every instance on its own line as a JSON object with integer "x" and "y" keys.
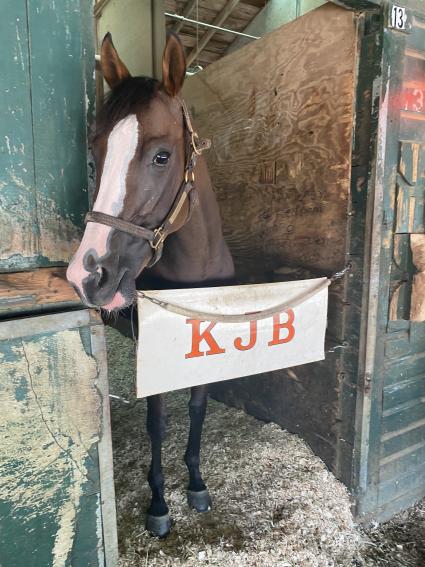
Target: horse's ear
{"x": 113, "y": 69}
{"x": 173, "y": 65}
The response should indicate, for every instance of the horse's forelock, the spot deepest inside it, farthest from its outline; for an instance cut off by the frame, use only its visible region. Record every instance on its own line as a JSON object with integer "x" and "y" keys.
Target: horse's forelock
{"x": 128, "y": 98}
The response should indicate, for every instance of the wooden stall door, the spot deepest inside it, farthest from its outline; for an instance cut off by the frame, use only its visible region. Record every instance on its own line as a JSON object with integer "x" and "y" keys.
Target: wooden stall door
{"x": 46, "y": 83}
{"x": 57, "y": 504}
{"x": 394, "y": 450}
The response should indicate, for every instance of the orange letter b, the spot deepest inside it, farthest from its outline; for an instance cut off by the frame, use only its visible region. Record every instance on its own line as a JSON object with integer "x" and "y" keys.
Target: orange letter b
{"x": 277, "y": 326}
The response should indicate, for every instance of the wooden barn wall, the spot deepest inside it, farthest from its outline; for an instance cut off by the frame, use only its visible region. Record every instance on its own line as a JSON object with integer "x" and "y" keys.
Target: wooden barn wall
{"x": 280, "y": 115}
{"x": 279, "y": 112}
{"x": 46, "y": 71}
{"x": 275, "y": 14}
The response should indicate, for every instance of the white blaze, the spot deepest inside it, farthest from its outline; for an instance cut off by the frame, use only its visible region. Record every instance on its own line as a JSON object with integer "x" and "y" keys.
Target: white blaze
{"x": 121, "y": 149}
{"x": 122, "y": 145}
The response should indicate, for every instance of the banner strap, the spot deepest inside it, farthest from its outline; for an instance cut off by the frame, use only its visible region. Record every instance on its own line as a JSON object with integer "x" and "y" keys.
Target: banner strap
{"x": 241, "y": 317}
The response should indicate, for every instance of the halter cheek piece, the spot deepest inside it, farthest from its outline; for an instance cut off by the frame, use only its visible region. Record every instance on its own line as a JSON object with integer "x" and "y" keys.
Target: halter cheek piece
{"x": 193, "y": 147}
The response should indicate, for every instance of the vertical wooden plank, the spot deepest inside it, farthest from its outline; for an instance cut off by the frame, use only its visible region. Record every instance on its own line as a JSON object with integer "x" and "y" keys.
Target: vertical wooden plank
{"x": 158, "y": 37}
{"x": 58, "y": 87}
{"x": 18, "y": 230}
{"x": 354, "y": 284}
{"x": 107, "y": 487}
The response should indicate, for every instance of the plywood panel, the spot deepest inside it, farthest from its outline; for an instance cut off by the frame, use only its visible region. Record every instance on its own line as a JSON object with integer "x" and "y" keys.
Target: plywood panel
{"x": 280, "y": 115}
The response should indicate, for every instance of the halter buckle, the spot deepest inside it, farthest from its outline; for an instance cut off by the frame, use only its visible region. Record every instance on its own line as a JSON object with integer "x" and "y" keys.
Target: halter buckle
{"x": 158, "y": 238}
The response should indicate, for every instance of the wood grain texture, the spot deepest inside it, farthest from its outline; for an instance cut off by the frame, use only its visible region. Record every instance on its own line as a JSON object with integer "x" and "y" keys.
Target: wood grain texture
{"x": 32, "y": 291}
{"x": 17, "y": 182}
{"x": 46, "y": 77}
{"x": 280, "y": 115}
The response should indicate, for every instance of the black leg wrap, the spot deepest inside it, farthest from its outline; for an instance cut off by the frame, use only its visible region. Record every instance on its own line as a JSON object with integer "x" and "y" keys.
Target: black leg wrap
{"x": 158, "y": 526}
{"x": 199, "y": 501}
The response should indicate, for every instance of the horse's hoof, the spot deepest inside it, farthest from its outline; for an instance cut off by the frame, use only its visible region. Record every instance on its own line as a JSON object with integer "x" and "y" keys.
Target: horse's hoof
{"x": 200, "y": 501}
{"x": 158, "y": 526}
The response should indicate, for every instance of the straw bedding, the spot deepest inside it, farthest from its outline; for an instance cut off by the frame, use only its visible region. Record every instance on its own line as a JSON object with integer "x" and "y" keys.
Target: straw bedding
{"x": 275, "y": 504}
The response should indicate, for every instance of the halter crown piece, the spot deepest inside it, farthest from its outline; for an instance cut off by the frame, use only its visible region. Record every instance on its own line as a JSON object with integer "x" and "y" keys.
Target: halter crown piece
{"x": 194, "y": 146}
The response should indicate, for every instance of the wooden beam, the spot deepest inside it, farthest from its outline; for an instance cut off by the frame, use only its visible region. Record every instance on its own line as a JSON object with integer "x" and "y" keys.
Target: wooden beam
{"x": 186, "y": 11}
{"x": 41, "y": 289}
{"x": 218, "y": 21}
{"x": 158, "y": 36}
{"x": 358, "y": 4}
{"x": 98, "y": 7}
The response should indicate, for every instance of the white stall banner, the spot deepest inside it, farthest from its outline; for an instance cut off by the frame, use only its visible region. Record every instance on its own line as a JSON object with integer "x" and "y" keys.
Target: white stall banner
{"x": 177, "y": 351}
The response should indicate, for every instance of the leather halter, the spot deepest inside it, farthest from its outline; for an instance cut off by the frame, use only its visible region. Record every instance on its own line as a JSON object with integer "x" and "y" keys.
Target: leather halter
{"x": 156, "y": 237}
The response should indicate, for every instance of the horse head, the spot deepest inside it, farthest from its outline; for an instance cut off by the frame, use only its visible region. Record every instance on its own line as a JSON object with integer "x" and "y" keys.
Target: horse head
{"x": 140, "y": 148}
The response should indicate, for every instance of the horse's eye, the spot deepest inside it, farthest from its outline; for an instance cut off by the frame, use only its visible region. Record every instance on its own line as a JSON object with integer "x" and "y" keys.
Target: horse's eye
{"x": 161, "y": 158}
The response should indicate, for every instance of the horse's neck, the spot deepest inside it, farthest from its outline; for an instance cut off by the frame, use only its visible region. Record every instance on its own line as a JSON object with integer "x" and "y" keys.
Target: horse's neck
{"x": 197, "y": 253}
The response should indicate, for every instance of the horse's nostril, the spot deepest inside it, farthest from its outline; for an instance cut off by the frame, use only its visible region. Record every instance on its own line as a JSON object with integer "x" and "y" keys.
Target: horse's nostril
{"x": 90, "y": 263}
{"x": 99, "y": 276}
{"x": 102, "y": 275}
{"x": 98, "y": 273}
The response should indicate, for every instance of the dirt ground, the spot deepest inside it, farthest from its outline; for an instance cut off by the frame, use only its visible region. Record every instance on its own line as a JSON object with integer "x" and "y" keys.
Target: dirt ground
{"x": 275, "y": 504}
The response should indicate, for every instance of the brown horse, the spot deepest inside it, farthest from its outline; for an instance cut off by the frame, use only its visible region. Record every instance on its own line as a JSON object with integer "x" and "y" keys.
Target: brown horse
{"x": 154, "y": 208}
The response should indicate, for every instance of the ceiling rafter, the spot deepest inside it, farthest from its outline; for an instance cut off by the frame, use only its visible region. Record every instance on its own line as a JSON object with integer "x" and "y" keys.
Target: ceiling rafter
{"x": 218, "y": 21}
{"x": 186, "y": 11}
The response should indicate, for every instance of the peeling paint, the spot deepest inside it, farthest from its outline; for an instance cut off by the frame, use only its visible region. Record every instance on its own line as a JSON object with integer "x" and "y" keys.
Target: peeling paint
{"x": 48, "y": 430}
{"x": 59, "y": 236}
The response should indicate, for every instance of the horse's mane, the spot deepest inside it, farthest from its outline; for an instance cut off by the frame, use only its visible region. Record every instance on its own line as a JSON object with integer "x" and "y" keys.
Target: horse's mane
{"x": 127, "y": 98}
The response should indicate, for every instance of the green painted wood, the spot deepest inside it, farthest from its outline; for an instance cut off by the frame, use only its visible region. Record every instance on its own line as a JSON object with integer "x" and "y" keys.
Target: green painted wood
{"x": 411, "y": 435}
{"x": 394, "y": 466}
{"x": 402, "y": 416}
{"x": 51, "y": 419}
{"x": 413, "y": 480}
{"x": 388, "y": 509}
{"x": 51, "y": 62}
{"x": 400, "y": 434}
{"x": 404, "y": 391}
{"x": 357, "y": 230}
{"x": 58, "y": 78}
{"x": 18, "y": 226}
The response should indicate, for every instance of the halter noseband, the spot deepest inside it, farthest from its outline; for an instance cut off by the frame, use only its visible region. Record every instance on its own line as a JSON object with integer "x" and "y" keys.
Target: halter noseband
{"x": 156, "y": 237}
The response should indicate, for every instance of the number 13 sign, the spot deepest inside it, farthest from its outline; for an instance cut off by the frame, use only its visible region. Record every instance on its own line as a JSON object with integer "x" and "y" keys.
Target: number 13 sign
{"x": 398, "y": 18}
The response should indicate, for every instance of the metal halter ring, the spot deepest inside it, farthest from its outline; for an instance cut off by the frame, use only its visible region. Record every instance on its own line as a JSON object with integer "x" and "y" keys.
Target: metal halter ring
{"x": 195, "y": 148}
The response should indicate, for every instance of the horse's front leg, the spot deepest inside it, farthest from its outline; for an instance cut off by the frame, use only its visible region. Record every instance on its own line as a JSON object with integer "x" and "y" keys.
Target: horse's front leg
{"x": 158, "y": 520}
{"x": 197, "y": 493}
